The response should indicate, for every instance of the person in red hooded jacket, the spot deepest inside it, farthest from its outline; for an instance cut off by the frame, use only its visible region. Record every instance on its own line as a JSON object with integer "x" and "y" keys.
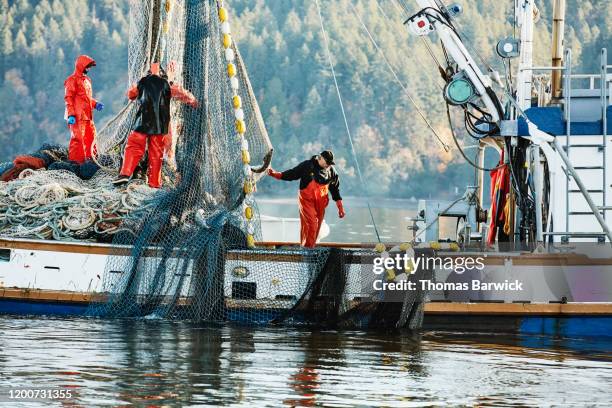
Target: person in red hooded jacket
{"x": 79, "y": 110}
{"x": 317, "y": 178}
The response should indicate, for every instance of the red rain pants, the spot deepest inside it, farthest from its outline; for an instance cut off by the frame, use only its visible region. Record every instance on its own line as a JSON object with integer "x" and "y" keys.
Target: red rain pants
{"x": 135, "y": 149}
{"x": 312, "y": 202}
{"x": 82, "y": 138}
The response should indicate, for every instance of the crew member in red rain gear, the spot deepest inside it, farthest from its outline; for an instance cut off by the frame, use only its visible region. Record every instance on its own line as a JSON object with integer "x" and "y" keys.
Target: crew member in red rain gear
{"x": 152, "y": 124}
{"x": 79, "y": 110}
{"x": 317, "y": 178}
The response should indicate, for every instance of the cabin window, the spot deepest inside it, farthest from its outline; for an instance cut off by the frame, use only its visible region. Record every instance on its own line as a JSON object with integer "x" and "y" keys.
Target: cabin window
{"x": 5, "y": 255}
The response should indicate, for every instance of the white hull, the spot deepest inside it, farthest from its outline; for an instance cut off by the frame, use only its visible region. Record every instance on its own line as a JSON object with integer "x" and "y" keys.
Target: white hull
{"x": 54, "y": 266}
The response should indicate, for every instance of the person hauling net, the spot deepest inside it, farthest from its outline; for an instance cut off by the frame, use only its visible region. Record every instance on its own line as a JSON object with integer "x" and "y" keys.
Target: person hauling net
{"x": 317, "y": 178}
{"x": 152, "y": 124}
{"x": 79, "y": 110}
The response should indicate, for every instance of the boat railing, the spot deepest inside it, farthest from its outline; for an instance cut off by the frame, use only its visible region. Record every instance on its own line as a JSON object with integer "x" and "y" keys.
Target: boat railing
{"x": 601, "y": 82}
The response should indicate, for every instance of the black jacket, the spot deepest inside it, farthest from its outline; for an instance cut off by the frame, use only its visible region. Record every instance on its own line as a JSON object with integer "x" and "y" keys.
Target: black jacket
{"x": 310, "y": 170}
{"x": 153, "y": 117}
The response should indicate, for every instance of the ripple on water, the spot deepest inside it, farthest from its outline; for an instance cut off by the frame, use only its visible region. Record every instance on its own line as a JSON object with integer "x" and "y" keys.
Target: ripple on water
{"x": 156, "y": 362}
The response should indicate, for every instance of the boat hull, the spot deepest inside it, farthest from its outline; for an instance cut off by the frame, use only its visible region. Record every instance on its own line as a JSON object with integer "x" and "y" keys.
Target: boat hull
{"x": 561, "y": 295}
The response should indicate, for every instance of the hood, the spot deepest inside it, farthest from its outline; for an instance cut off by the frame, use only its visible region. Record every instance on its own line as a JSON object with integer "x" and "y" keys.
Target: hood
{"x": 82, "y": 62}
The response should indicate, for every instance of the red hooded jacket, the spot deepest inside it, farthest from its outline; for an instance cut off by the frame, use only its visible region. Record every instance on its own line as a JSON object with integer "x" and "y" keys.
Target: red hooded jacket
{"x": 78, "y": 95}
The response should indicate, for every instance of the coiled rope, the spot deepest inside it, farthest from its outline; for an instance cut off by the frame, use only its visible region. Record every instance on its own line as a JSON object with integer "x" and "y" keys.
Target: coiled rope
{"x": 57, "y": 204}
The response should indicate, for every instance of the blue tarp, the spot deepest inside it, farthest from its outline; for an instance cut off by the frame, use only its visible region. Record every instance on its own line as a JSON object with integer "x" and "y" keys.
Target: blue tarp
{"x": 550, "y": 120}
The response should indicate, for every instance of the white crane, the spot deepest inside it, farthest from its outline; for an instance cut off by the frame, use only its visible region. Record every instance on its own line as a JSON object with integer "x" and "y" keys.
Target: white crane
{"x": 469, "y": 87}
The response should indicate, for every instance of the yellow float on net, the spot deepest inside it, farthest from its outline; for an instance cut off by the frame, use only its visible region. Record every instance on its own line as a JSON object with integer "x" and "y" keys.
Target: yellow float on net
{"x": 453, "y": 247}
{"x": 248, "y": 187}
{"x": 390, "y": 274}
{"x": 250, "y": 241}
{"x": 231, "y": 70}
{"x": 246, "y": 157}
{"x": 380, "y": 247}
{"x": 435, "y": 245}
{"x": 222, "y": 14}
{"x": 409, "y": 269}
{"x": 168, "y": 6}
{"x": 248, "y": 213}
{"x": 237, "y": 102}
{"x": 405, "y": 246}
{"x": 166, "y": 27}
{"x": 240, "y": 126}
{"x": 227, "y": 40}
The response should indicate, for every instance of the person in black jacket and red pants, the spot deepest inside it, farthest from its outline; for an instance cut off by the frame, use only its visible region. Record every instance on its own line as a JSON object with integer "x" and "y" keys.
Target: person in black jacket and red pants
{"x": 152, "y": 124}
{"x": 317, "y": 178}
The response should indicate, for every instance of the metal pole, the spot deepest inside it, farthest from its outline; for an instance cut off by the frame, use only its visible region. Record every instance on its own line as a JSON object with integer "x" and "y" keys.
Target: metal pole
{"x": 539, "y": 187}
{"x": 568, "y": 117}
{"x": 570, "y": 169}
{"x": 480, "y": 179}
{"x": 525, "y": 17}
{"x": 604, "y": 120}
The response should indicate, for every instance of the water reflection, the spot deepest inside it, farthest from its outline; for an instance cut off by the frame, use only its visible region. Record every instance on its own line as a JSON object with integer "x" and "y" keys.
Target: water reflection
{"x": 154, "y": 363}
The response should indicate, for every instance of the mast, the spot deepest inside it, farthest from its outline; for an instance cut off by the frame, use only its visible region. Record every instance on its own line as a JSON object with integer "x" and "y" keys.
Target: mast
{"x": 525, "y": 13}
{"x": 557, "y": 47}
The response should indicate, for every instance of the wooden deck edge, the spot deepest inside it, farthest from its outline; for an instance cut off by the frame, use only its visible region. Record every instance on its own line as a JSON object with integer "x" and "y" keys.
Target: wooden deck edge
{"x": 518, "y": 309}
{"x": 433, "y": 308}
{"x": 49, "y": 295}
{"x": 492, "y": 258}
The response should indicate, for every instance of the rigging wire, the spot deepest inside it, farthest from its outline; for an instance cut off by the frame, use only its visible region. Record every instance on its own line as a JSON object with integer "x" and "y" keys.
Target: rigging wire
{"x": 398, "y": 80}
{"x": 348, "y": 130}
{"x": 382, "y": 11}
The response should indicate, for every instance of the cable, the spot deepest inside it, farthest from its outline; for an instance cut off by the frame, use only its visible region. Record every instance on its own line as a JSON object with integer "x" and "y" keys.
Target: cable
{"x": 400, "y": 83}
{"x": 431, "y": 53}
{"x": 467, "y": 159}
{"x": 403, "y": 6}
{"x": 348, "y": 130}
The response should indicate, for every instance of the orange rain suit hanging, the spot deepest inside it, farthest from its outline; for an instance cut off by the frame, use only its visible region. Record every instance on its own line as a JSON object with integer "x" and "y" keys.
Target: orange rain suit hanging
{"x": 500, "y": 188}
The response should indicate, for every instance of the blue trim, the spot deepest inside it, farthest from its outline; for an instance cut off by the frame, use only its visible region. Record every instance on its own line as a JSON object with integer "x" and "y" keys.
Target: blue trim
{"x": 600, "y": 326}
{"x": 20, "y": 307}
{"x": 574, "y": 326}
{"x": 550, "y": 120}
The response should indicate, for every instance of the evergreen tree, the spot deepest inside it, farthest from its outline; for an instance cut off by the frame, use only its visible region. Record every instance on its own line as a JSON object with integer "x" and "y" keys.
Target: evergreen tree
{"x": 283, "y": 48}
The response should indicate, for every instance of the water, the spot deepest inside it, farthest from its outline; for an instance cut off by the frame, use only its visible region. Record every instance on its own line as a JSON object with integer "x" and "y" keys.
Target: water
{"x": 392, "y": 218}
{"x": 155, "y": 363}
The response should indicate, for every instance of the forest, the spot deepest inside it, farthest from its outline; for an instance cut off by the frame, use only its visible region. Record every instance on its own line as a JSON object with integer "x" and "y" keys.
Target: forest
{"x": 283, "y": 48}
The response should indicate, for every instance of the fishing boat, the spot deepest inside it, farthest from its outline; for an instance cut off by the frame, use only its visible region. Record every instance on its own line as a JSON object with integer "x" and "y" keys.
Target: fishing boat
{"x": 553, "y": 244}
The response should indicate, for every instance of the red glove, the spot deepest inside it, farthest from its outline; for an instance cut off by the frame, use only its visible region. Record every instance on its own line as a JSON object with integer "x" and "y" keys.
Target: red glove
{"x": 276, "y": 174}
{"x": 341, "y": 212}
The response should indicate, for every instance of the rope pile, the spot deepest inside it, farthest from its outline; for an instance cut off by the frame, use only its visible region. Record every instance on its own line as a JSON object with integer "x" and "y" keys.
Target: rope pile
{"x": 56, "y": 204}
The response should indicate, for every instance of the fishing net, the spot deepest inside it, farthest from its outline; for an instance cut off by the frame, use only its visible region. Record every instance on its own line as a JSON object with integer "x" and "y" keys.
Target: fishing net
{"x": 187, "y": 251}
{"x": 177, "y": 252}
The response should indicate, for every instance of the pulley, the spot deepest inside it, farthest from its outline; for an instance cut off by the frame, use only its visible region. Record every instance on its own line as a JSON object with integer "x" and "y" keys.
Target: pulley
{"x": 508, "y": 48}
{"x": 459, "y": 90}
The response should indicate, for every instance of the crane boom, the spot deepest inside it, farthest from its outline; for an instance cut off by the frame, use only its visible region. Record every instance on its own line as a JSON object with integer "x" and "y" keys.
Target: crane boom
{"x": 430, "y": 19}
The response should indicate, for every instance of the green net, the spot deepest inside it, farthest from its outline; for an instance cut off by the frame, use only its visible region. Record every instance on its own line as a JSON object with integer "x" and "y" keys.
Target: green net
{"x": 176, "y": 250}
{"x": 187, "y": 251}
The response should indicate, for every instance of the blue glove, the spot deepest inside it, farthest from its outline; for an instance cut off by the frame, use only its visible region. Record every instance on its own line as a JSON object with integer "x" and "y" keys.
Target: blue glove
{"x": 71, "y": 120}
{"x": 99, "y": 106}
